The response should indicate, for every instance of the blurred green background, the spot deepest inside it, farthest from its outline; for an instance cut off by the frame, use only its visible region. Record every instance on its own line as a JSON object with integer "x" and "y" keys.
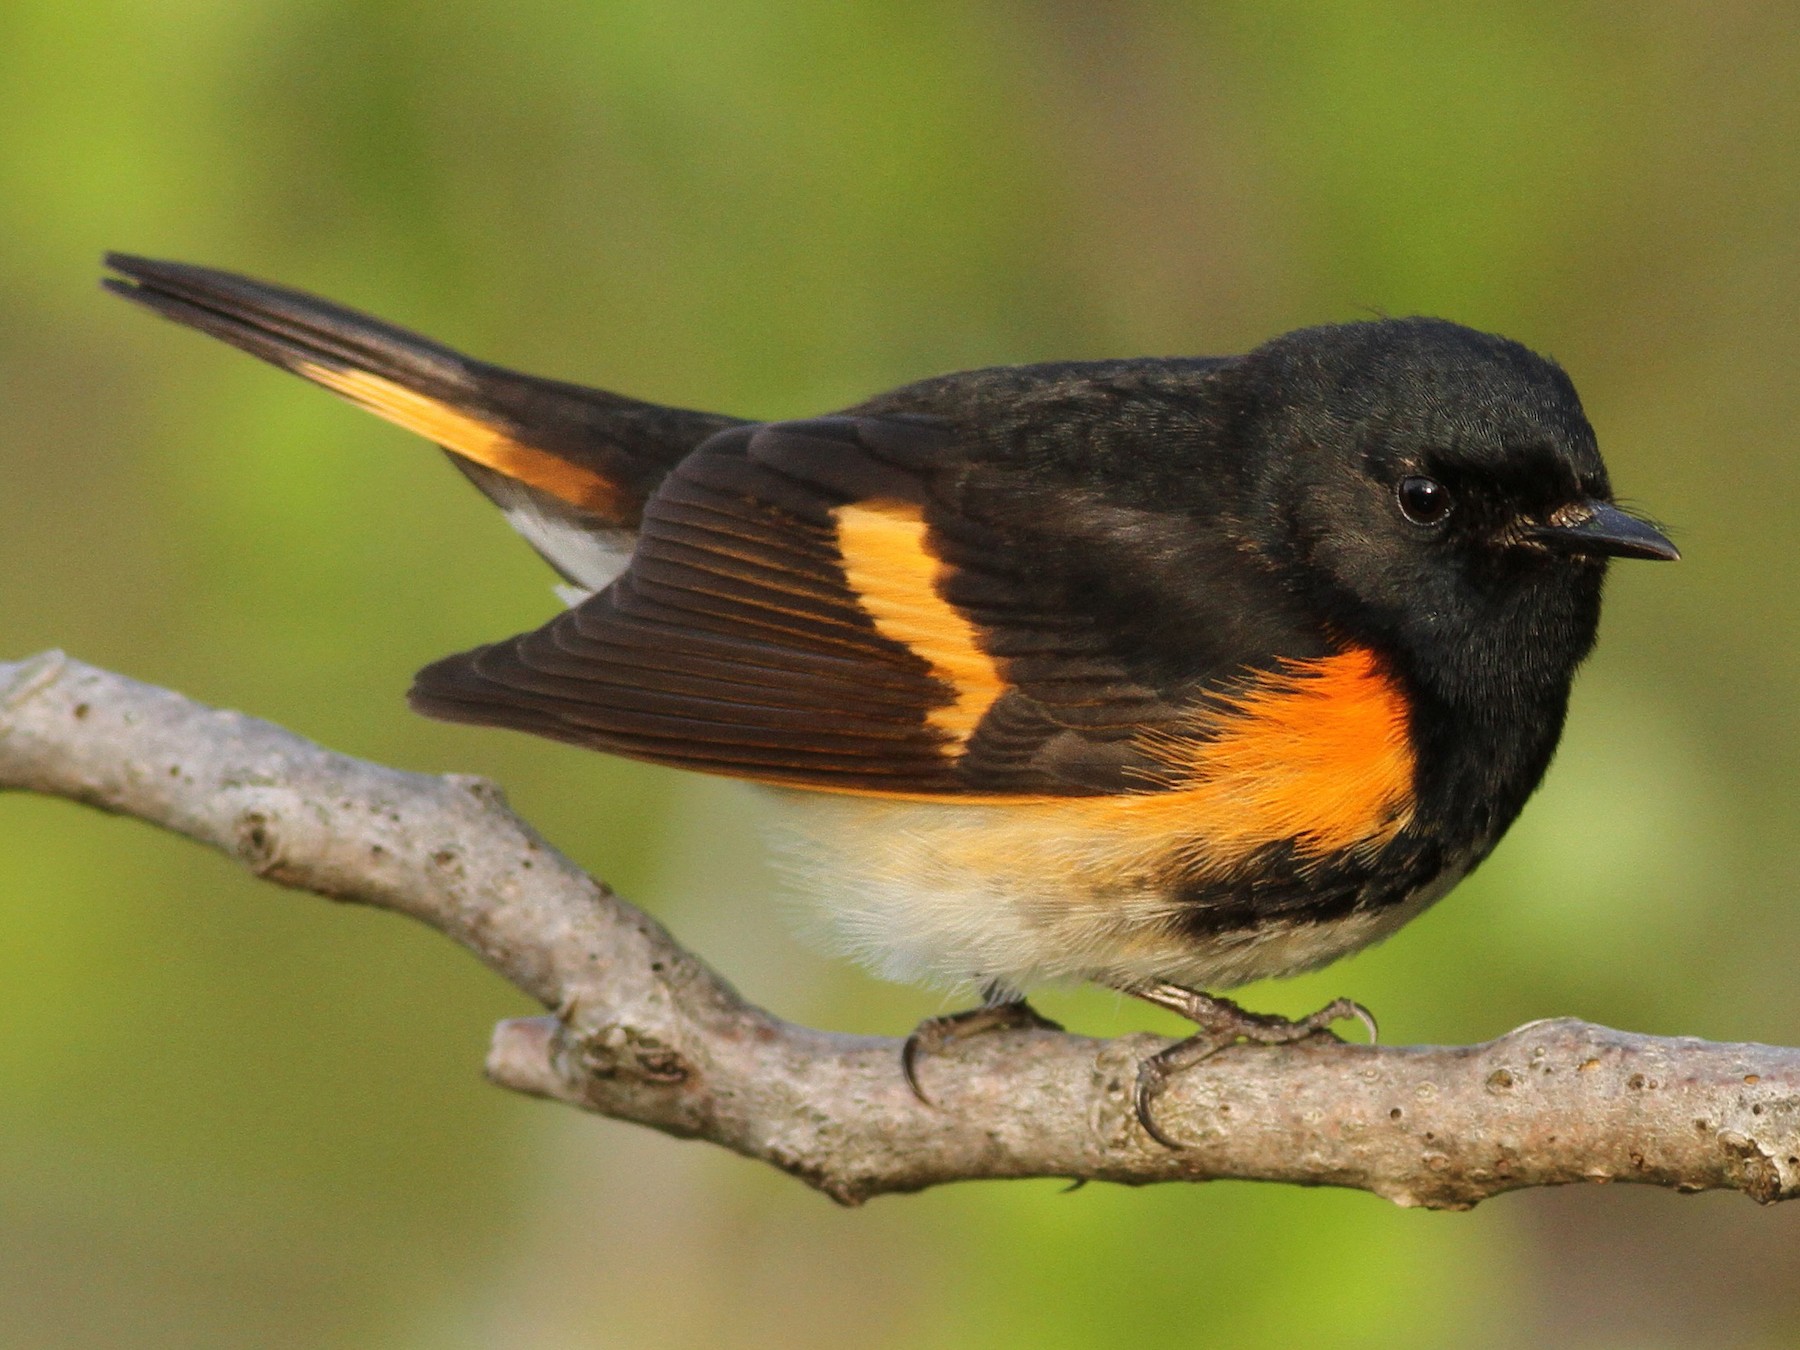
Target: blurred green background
{"x": 231, "y": 1115}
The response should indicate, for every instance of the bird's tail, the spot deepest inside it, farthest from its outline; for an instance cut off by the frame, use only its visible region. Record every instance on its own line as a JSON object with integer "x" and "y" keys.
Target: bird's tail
{"x": 570, "y": 466}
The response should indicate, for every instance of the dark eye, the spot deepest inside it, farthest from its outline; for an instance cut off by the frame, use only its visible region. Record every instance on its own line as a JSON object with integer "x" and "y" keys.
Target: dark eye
{"x": 1424, "y": 501}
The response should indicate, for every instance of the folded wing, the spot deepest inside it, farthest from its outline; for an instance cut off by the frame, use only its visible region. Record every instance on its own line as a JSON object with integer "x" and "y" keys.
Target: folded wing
{"x": 805, "y": 606}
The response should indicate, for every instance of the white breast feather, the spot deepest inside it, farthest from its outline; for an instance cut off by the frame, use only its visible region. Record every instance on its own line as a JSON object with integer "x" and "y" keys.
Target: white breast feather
{"x": 960, "y": 896}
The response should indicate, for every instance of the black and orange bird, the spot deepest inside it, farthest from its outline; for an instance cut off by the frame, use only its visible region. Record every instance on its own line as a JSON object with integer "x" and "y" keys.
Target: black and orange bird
{"x": 1164, "y": 674}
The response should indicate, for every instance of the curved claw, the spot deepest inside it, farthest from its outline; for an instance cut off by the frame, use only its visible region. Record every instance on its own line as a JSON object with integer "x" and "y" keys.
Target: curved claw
{"x": 1224, "y": 1023}
{"x": 1340, "y": 1010}
{"x": 939, "y": 1033}
{"x": 909, "y": 1065}
{"x": 1156, "y": 1070}
{"x": 1151, "y": 1076}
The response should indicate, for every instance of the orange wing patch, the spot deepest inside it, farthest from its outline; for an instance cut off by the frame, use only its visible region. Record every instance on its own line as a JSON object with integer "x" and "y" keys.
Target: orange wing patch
{"x": 894, "y": 575}
{"x": 468, "y": 436}
{"x": 1318, "y": 755}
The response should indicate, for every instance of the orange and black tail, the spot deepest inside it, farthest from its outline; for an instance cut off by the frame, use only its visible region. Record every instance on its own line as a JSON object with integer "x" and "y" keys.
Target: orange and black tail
{"x": 570, "y": 466}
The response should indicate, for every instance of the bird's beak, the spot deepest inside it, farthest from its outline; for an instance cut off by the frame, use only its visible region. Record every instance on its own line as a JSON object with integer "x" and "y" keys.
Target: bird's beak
{"x": 1598, "y": 529}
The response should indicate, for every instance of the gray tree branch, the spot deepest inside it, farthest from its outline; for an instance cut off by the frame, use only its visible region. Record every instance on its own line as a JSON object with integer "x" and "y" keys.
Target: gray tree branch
{"x": 643, "y": 1031}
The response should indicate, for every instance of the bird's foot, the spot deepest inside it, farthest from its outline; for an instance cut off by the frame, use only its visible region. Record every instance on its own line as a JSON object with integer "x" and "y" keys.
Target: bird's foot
{"x": 1223, "y": 1023}
{"x": 936, "y": 1034}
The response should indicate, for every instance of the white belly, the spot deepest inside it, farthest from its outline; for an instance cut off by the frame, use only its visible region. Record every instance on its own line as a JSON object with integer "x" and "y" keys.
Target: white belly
{"x": 959, "y": 895}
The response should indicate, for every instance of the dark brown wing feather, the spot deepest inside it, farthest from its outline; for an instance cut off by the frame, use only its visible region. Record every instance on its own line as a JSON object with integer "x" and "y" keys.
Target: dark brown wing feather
{"x": 806, "y": 606}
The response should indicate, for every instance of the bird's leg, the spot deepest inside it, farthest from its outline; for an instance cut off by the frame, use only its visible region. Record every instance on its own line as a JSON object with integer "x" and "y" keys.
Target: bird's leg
{"x": 1001, "y": 1010}
{"x": 1221, "y": 1023}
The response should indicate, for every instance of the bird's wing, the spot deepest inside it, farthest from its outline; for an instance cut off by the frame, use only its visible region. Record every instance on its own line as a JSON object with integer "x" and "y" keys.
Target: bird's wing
{"x": 805, "y": 606}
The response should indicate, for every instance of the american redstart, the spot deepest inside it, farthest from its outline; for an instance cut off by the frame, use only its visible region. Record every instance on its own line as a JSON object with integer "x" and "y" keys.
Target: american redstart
{"x": 1165, "y": 674}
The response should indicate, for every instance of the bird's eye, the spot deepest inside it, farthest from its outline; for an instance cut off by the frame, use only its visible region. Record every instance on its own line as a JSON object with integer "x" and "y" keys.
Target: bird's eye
{"x": 1424, "y": 501}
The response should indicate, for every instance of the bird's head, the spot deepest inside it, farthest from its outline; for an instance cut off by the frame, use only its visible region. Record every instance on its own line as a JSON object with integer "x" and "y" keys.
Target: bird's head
{"x": 1436, "y": 487}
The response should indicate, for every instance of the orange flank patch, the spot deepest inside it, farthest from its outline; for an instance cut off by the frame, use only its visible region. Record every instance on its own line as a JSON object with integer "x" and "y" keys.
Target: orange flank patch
{"x": 468, "y": 436}
{"x": 895, "y": 577}
{"x": 1318, "y": 755}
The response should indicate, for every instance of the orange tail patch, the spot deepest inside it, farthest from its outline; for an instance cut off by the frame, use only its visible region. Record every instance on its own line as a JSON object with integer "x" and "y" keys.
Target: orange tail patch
{"x": 464, "y": 434}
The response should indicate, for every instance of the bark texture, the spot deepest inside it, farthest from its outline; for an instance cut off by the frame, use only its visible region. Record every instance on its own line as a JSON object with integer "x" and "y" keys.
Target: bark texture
{"x": 641, "y": 1030}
